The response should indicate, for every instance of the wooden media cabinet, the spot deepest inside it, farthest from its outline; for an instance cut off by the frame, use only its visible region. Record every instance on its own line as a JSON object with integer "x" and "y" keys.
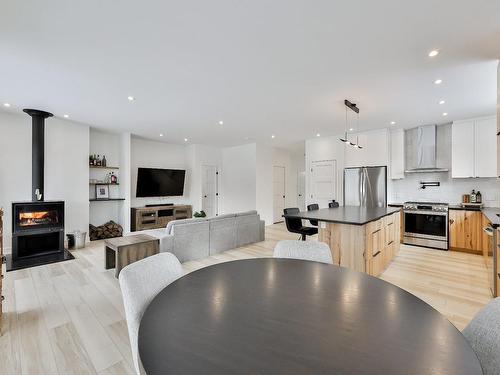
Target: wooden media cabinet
{"x": 158, "y": 216}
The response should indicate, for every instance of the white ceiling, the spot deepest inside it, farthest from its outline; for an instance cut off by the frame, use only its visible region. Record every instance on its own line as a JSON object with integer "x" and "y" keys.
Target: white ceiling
{"x": 278, "y": 67}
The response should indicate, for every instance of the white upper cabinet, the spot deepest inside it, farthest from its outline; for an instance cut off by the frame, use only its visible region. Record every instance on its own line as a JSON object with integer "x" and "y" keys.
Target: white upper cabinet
{"x": 486, "y": 147}
{"x": 375, "y": 151}
{"x": 397, "y": 154}
{"x": 462, "y": 149}
{"x": 473, "y": 148}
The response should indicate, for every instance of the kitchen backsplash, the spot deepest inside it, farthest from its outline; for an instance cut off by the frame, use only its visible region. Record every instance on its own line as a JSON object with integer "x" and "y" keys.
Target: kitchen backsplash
{"x": 450, "y": 191}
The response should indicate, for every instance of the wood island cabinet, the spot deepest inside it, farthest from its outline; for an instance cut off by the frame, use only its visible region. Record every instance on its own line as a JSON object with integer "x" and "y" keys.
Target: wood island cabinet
{"x": 366, "y": 248}
{"x": 382, "y": 243}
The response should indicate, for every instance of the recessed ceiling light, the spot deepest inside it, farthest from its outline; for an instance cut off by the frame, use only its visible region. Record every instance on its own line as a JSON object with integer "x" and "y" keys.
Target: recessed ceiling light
{"x": 221, "y": 122}
{"x": 393, "y": 122}
{"x": 351, "y": 129}
{"x": 433, "y": 53}
{"x": 161, "y": 134}
{"x": 130, "y": 98}
{"x": 318, "y": 135}
{"x": 6, "y": 105}
{"x": 185, "y": 139}
{"x": 65, "y": 116}
{"x": 438, "y": 81}
{"x": 445, "y": 113}
{"x": 442, "y": 102}
{"x": 272, "y": 136}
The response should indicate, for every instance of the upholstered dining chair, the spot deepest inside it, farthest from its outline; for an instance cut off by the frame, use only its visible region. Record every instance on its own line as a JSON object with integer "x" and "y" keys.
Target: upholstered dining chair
{"x": 140, "y": 282}
{"x": 304, "y": 250}
{"x": 483, "y": 335}
{"x": 333, "y": 204}
{"x": 313, "y": 207}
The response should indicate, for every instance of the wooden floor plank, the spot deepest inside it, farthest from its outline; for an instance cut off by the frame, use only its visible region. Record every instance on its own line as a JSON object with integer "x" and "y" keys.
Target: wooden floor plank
{"x": 68, "y": 318}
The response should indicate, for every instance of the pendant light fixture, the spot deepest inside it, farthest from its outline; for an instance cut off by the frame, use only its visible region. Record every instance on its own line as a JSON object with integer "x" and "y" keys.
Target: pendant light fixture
{"x": 354, "y": 108}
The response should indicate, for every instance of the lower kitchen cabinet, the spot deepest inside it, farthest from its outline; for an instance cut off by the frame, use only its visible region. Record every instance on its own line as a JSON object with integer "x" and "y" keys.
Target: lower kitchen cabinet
{"x": 382, "y": 243}
{"x": 466, "y": 231}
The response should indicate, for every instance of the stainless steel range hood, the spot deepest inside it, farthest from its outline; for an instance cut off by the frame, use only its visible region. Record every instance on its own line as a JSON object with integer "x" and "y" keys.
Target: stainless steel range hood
{"x": 421, "y": 150}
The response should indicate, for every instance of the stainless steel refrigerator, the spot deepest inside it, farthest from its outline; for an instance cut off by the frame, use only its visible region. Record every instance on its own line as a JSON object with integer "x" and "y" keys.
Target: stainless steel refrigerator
{"x": 365, "y": 186}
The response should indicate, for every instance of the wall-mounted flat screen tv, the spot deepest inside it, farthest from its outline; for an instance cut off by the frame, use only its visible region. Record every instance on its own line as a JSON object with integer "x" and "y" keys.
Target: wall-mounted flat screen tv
{"x": 154, "y": 182}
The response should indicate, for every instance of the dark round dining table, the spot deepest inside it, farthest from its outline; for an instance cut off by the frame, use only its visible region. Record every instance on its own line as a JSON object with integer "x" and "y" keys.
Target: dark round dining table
{"x": 284, "y": 316}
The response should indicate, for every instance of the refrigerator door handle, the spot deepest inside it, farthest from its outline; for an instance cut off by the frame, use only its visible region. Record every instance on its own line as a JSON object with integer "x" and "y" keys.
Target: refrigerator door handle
{"x": 363, "y": 187}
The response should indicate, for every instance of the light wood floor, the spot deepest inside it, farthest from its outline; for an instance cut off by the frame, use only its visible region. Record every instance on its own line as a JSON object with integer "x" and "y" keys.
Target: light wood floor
{"x": 68, "y": 318}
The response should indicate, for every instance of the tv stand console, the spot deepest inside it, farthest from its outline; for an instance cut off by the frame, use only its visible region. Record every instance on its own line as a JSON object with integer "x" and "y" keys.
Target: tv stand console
{"x": 152, "y": 217}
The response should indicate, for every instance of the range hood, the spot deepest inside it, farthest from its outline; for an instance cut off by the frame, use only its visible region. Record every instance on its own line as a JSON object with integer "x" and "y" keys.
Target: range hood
{"x": 421, "y": 150}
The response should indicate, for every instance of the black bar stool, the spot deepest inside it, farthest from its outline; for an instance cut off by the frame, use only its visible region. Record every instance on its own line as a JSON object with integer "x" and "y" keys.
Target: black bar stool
{"x": 294, "y": 225}
{"x": 313, "y": 207}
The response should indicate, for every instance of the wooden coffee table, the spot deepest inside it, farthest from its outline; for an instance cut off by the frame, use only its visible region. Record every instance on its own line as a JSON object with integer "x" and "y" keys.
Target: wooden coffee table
{"x": 122, "y": 251}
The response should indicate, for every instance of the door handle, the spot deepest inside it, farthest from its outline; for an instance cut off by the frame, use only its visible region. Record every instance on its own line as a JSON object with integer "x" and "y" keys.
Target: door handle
{"x": 488, "y": 231}
{"x": 283, "y": 196}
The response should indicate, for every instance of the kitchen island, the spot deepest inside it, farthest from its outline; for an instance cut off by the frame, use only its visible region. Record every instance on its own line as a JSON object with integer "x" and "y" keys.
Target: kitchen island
{"x": 360, "y": 238}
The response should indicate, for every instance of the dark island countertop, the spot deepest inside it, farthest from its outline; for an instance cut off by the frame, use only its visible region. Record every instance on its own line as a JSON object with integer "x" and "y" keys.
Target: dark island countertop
{"x": 491, "y": 214}
{"x": 346, "y": 214}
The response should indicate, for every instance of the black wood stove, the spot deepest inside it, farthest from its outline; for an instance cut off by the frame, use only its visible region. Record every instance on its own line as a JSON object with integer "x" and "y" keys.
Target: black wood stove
{"x": 37, "y": 225}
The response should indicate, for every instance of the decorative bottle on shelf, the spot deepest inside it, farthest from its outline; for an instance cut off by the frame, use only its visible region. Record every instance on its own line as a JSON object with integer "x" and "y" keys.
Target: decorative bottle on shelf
{"x": 473, "y": 196}
{"x": 91, "y": 160}
{"x": 114, "y": 179}
{"x": 94, "y": 160}
{"x": 98, "y": 160}
{"x": 103, "y": 163}
{"x": 479, "y": 197}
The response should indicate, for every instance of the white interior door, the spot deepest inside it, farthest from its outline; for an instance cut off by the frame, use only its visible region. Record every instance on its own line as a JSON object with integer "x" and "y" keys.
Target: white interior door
{"x": 278, "y": 193}
{"x": 323, "y": 182}
{"x": 301, "y": 190}
{"x": 209, "y": 190}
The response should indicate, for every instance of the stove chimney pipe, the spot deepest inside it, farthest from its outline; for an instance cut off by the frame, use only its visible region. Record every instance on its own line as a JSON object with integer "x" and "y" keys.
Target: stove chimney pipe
{"x": 37, "y": 152}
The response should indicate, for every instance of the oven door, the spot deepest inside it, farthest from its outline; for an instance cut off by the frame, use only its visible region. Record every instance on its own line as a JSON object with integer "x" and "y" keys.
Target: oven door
{"x": 426, "y": 224}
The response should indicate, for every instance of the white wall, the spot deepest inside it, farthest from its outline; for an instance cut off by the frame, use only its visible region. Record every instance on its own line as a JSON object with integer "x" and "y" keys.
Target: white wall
{"x": 238, "y": 178}
{"x": 126, "y": 176}
{"x": 152, "y": 154}
{"x": 264, "y": 183}
{"x": 108, "y": 144}
{"x": 325, "y": 148}
{"x": 375, "y": 151}
{"x": 294, "y": 162}
{"x": 197, "y": 157}
{"x": 66, "y": 168}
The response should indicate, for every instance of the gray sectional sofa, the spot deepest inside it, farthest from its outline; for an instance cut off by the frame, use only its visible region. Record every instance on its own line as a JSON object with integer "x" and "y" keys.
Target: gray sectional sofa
{"x": 197, "y": 238}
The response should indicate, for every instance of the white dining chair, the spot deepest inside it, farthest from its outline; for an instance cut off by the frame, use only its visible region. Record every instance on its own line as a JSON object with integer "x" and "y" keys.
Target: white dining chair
{"x": 140, "y": 282}
{"x": 305, "y": 250}
{"x": 483, "y": 335}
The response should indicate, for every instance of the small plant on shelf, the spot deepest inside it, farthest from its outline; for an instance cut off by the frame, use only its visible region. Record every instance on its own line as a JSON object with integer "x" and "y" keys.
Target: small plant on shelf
{"x": 200, "y": 214}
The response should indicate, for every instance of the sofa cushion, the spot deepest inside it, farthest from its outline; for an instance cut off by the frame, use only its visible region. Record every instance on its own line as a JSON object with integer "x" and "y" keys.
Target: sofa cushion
{"x": 251, "y": 212}
{"x": 247, "y": 229}
{"x": 191, "y": 240}
{"x": 222, "y": 217}
{"x": 173, "y": 223}
{"x": 222, "y": 233}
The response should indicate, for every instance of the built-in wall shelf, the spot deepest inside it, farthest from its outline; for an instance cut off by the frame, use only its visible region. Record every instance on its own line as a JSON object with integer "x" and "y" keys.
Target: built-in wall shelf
{"x": 101, "y": 167}
{"x": 104, "y": 183}
{"x": 106, "y": 200}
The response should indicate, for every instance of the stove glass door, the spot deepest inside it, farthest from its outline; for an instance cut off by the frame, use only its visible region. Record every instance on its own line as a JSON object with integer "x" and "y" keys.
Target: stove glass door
{"x": 426, "y": 224}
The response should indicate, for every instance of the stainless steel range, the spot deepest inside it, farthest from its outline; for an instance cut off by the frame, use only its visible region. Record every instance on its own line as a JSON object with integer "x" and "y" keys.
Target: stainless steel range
{"x": 426, "y": 224}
